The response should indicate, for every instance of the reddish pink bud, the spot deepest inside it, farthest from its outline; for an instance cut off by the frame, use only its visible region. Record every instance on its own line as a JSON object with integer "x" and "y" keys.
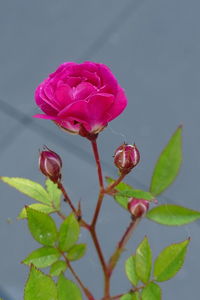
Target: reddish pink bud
{"x": 126, "y": 158}
{"x": 50, "y": 164}
{"x": 138, "y": 207}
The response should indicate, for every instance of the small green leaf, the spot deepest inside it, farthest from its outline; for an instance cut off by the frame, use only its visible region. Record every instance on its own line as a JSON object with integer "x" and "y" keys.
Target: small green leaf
{"x": 42, "y": 227}
{"x": 143, "y": 260}
{"x": 67, "y": 290}
{"x": 76, "y": 252}
{"x": 122, "y": 201}
{"x": 54, "y": 193}
{"x": 42, "y": 257}
{"x": 139, "y": 194}
{"x": 69, "y": 233}
{"x": 172, "y": 215}
{"x": 57, "y": 268}
{"x": 121, "y": 186}
{"x": 36, "y": 206}
{"x": 168, "y": 164}
{"x": 152, "y": 291}
{"x": 170, "y": 261}
{"x": 130, "y": 296}
{"x": 125, "y": 191}
{"x": 130, "y": 270}
{"x": 39, "y": 286}
{"x": 28, "y": 187}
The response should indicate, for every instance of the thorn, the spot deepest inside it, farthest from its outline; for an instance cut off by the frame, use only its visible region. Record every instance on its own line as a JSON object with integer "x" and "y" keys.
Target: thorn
{"x": 79, "y": 211}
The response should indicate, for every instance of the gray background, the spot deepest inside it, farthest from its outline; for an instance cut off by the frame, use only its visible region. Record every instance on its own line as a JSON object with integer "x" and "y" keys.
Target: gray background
{"x": 153, "y": 49}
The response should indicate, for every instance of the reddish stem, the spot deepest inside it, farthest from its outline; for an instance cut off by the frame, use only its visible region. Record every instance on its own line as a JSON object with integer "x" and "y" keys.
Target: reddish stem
{"x": 66, "y": 197}
{"x": 114, "y": 184}
{"x": 98, "y": 248}
{"x": 98, "y": 163}
{"x": 117, "y": 297}
{"x": 76, "y": 212}
{"x": 97, "y": 209}
{"x": 121, "y": 245}
{"x": 87, "y": 293}
{"x": 60, "y": 214}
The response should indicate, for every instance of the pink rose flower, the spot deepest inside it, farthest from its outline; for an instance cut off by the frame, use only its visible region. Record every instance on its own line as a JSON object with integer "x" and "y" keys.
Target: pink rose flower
{"x": 80, "y": 95}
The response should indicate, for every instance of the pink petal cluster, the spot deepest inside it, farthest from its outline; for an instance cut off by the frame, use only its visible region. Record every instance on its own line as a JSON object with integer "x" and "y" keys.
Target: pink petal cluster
{"x": 77, "y": 95}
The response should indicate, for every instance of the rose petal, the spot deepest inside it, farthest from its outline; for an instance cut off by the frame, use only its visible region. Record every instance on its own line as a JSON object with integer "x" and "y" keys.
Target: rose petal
{"x": 119, "y": 105}
{"x": 98, "y": 106}
{"x": 46, "y": 105}
{"x": 108, "y": 79}
{"x": 77, "y": 110}
{"x": 73, "y": 81}
{"x": 63, "y": 95}
{"x": 41, "y": 116}
{"x": 92, "y": 78}
{"x": 90, "y": 66}
{"x": 70, "y": 126}
{"x": 63, "y": 67}
{"x": 83, "y": 90}
{"x": 93, "y": 113}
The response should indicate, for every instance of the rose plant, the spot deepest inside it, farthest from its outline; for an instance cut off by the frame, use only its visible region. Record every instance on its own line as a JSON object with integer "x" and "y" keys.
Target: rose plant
{"x": 83, "y": 99}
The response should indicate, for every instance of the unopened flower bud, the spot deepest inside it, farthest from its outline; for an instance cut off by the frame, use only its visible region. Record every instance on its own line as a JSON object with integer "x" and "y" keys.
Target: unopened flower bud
{"x": 50, "y": 164}
{"x": 126, "y": 157}
{"x": 138, "y": 207}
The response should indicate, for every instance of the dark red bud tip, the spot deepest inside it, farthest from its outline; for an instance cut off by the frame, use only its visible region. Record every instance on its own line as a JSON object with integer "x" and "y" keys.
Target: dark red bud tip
{"x": 126, "y": 157}
{"x": 50, "y": 164}
{"x": 138, "y": 207}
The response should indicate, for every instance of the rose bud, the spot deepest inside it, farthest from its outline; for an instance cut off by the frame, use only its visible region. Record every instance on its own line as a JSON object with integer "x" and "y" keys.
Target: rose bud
{"x": 126, "y": 157}
{"x": 81, "y": 95}
{"x": 138, "y": 207}
{"x": 50, "y": 165}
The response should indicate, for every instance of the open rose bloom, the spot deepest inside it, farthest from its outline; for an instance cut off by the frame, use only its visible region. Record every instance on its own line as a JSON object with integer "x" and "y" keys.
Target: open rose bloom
{"x": 77, "y": 95}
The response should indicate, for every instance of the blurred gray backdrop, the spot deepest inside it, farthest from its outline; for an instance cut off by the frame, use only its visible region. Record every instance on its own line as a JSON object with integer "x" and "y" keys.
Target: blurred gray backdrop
{"x": 153, "y": 49}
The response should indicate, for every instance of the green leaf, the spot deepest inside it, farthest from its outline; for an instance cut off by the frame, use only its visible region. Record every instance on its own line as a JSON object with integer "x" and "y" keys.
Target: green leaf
{"x": 143, "y": 260}
{"x": 42, "y": 227}
{"x": 139, "y": 194}
{"x": 39, "y": 286}
{"x": 28, "y": 187}
{"x": 125, "y": 191}
{"x": 131, "y": 271}
{"x": 67, "y": 289}
{"x": 170, "y": 261}
{"x": 168, "y": 164}
{"x": 42, "y": 257}
{"x": 172, "y": 215}
{"x": 121, "y": 186}
{"x": 54, "y": 193}
{"x": 69, "y": 233}
{"x": 122, "y": 201}
{"x": 130, "y": 296}
{"x": 152, "y": 292}
{"x": 57, "y": 268}
{"x": 76, "y": 252}
{"x": 36, "y": 206}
